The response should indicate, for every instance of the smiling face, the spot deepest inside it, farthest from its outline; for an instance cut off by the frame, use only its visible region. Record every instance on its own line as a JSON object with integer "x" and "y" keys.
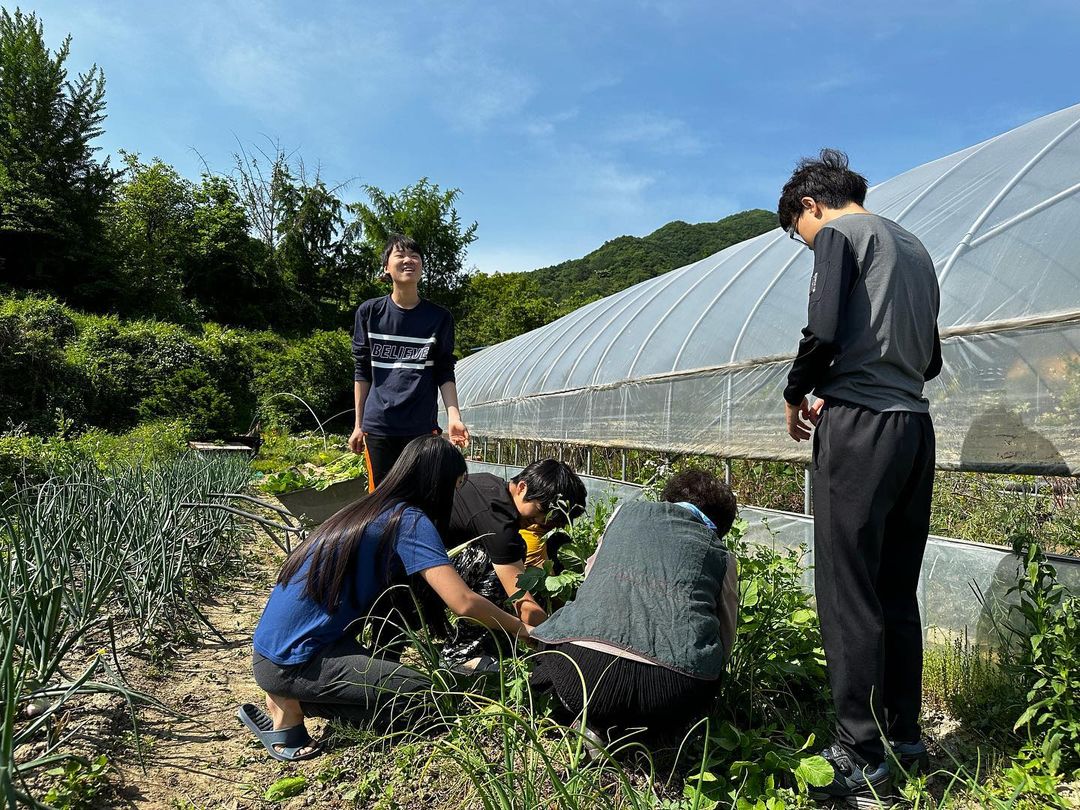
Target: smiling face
{"x": 404, "y": 266}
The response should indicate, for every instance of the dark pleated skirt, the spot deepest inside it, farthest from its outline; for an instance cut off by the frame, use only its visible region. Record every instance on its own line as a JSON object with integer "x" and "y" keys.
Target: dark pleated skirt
{"x": 621, "y": 695}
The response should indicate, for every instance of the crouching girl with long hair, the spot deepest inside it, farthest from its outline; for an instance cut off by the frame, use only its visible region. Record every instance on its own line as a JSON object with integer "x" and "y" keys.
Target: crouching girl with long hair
{"x": 306, "y": 654}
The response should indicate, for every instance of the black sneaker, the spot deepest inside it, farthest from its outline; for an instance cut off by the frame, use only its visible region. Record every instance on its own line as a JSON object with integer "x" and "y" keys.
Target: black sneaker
{"x": 864, "y": 787}
{"x": 912, "y": 756}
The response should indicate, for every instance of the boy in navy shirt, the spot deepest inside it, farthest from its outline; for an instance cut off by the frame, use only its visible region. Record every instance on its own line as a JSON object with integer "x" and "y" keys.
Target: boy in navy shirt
{"x": 403, "y": 348}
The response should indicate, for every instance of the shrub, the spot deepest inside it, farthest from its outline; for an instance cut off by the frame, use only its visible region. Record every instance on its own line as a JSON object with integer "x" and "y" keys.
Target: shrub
{"x": 1048, "y": 661}
{"x": 35, "y": 377}
{"x": 124, "y": 362}
{"x": 190, "y": 394}
{"x": 100, "y": 371}
{"x": 45, "y": 315}
{"x": 318, "y": 368}
{"x": 28, "y": 459}
{"x": 232, "y": 357}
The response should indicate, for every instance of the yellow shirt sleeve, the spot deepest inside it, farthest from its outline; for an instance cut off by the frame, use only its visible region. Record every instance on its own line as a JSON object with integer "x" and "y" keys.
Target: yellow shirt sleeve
{"x": 535, "y": 548}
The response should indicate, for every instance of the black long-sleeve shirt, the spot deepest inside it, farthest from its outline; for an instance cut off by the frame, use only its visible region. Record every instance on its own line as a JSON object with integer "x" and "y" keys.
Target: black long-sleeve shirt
{"x": 871, "y": 335}
{"x": 835, "y": 272}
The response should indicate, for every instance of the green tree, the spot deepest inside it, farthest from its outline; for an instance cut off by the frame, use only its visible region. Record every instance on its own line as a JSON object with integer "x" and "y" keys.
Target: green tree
{"x": 52, "y": 190}
{"x": 150, "y": 228}
{"x": 321, "y": 267}
{"x": 502, "y": 306}
{"x": 427, "y": 214}
{"x": 231, "y": 277}
{"x": 184, "y": 252}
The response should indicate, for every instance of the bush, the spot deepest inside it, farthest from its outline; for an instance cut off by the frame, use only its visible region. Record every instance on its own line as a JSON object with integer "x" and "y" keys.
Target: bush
{"x": 35, "y": 376}
{"x": 32, "y": 459}
{"x": 124, "y": 362}
{"x": 232, "y": 359}
{"x": 318, "y": 369}
{"x": 191, "y": 394}
{"x": 104, "y": 372}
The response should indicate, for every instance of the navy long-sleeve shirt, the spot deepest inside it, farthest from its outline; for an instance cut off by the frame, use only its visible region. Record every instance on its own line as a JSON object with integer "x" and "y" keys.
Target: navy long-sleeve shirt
{"x": 406, "y": 354}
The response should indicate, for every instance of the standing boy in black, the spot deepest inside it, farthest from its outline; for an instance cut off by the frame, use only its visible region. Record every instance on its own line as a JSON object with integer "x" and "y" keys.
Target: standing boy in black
{"x": 403, "y": 348}
{"x": 870, "y": 343}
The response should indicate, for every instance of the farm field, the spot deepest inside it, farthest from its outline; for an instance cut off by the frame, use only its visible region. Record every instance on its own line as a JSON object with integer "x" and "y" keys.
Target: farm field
{"x": 522, "y": 223}
{"x": 495, "y": 747}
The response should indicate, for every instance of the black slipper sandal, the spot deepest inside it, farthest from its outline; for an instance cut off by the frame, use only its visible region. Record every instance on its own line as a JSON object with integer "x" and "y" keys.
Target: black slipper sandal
{"x": 281, "y": 744}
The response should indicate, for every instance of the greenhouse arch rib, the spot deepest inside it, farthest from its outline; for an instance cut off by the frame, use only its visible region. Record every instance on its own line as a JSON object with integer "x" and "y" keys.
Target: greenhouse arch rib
{"x": 639, "y": 368}
{"x": 571, "y": 322}
{"x": 630, "y": 299}
{"x": 941, "y": 178}
{"x": 1030, "y": 212}
{"x": 965, "y": 242}
{"x": 757, "y": 304}
{"x": 716, "y": 298}
{"x": 660, "y": 321}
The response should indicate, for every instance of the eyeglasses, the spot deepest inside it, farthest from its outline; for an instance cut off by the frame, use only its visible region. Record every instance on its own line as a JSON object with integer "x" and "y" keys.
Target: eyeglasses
{"x": 794, "y": 234}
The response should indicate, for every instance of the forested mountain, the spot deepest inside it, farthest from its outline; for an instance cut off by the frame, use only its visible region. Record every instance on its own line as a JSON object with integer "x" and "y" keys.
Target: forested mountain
{"x": 503, "y": 305}
{"x": 627, "y": 260}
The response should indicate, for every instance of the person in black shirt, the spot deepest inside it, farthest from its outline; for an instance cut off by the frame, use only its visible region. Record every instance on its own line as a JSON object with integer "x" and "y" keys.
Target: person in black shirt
{"x": 870, "y": 344}
{"x": 403, "y": 350}
{"x": 492, "y": 513}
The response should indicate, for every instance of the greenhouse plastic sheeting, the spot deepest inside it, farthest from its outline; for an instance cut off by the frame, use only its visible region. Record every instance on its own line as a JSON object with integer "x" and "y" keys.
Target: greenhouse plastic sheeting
{"x": 961, "y": 584}
{"x": 695, "y": 360}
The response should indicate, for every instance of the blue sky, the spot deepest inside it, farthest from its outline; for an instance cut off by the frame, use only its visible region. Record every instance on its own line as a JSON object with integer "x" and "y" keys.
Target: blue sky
{"x": 565, "y": 124}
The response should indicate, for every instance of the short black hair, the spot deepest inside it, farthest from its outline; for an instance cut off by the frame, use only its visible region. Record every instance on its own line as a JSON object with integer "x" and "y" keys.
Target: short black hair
{"x": 705, "y": 491}
{"x": 398, "y": 240}
{"x": 827, "y": 179}
{"x": 557, "y": 488}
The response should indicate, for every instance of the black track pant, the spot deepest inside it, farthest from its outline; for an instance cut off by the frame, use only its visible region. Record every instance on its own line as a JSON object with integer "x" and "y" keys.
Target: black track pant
{"x": 873, "y": 475}
{"x": 380, "y": 453}
{"x": 621, "y": 695}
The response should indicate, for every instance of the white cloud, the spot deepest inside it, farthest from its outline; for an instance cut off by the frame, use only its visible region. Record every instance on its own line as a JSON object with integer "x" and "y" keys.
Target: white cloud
{"x": 601, "y": 81}
{"x": 546, "y": 126}
{"x": 253, "y": 52}
{"x": 475, "y": 92}
{"x": 660, "y": 133}
{"x": 605, "y": 188}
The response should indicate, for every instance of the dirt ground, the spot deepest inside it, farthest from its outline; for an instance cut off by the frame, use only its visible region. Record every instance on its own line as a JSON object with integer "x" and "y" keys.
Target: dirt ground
{"x": 211, "y": 760}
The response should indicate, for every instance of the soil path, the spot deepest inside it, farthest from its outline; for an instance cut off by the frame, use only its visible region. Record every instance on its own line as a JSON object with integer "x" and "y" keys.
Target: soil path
{"x": 211, "y": 761}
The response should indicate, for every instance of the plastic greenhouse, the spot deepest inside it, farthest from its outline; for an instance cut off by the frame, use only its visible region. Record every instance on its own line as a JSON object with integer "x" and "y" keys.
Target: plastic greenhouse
{"x": 695, "y": 360}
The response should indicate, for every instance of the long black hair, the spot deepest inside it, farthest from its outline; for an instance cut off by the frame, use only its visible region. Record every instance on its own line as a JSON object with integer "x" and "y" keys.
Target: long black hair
{"x": 424, "y": 476}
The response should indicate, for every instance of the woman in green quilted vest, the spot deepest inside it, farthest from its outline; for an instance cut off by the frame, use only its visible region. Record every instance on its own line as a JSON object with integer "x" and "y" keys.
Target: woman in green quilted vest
{"x": 644, "y": 643}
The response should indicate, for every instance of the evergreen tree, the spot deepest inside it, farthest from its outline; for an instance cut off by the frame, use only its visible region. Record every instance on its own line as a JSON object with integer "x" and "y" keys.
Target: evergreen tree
{"x": 52, "y": 190}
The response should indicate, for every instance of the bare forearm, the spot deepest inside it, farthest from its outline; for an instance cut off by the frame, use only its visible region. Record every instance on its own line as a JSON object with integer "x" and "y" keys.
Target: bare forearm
{"x": 450, "y": 400}
{"x": 527, "y": 606}
{"x": 490, "y": 615}
{"x": 531, "y": 612}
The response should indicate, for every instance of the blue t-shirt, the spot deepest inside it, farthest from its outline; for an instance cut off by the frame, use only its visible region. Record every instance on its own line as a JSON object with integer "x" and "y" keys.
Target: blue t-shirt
{"x": 293, "y": 627}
